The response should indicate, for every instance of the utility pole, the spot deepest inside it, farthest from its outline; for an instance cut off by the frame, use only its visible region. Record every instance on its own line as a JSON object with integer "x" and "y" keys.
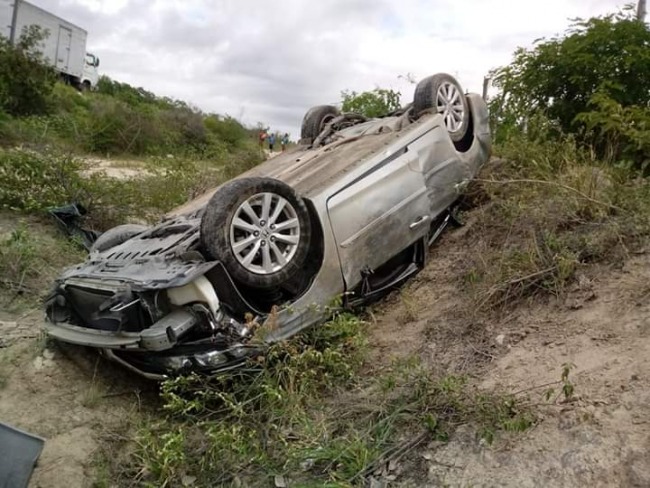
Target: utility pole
{"x": 14, "y": 21}
{"x": 641, "y": 10}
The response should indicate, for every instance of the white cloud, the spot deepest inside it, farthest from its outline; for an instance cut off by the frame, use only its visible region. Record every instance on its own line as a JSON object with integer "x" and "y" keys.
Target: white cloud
{"x": 271, "y": 61}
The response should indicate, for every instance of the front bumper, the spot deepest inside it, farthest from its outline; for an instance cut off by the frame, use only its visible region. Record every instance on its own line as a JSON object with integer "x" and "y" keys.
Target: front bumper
{"x": 161, "y": 366}
{"x": 155, "y": 353}
{"x": 162, "y": 335}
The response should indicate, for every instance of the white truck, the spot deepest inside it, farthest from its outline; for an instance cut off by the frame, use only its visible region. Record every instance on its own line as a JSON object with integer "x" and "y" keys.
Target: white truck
{"x": 64, "y": 46}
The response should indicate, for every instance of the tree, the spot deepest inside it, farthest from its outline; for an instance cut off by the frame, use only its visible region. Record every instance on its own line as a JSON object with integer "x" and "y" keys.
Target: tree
{"x": 25, "y": 80}
{"x": 607, "y": 55}
{"x": 375, "y": 103}
{"x": 593, "y": 82}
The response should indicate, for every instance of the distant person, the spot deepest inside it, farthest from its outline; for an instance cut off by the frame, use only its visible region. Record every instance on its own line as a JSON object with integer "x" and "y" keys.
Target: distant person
{"x": 262, "y": 137}
{"x": 284, "y": 141}
{"x": 271, "y": 141}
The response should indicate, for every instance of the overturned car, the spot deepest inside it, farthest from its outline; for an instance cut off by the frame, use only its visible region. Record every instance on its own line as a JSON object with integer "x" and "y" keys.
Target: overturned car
{"x": 350, "y": 212}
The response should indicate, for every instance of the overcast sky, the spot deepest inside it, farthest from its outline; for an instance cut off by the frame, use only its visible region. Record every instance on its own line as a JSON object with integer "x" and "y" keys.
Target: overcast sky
{"x": 270, "y": 61}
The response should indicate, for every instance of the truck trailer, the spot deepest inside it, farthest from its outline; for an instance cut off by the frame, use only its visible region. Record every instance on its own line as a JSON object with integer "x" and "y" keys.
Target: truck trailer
{"x": 64, "y": 46}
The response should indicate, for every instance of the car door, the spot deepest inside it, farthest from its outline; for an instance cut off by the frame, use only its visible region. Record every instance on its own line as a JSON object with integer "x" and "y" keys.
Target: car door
{"x": 381, "y": 212}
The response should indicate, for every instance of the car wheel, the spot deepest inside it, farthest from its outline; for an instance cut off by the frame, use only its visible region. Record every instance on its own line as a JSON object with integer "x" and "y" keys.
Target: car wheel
{"x": 315, "y": 120}
{"x": 259, "y": 228}
{"x": 115, "y": 236}
{"x": 443, "y": 94}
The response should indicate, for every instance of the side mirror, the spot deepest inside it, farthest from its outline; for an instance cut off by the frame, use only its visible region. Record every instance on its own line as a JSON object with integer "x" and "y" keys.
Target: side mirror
{"x": 96, "y": 62}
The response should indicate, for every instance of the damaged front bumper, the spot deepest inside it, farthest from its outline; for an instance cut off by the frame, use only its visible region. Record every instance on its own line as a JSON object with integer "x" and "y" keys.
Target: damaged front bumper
{"x": 154, "y": 333}
{"x": 153, "y": 305}
{"x": 144, "y": 353}
{"x": 160, "y": 366}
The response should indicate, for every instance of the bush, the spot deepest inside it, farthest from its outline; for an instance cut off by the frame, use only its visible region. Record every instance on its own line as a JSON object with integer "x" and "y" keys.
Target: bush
{"x": 130, "y": 123}
{"x": 279, "y": 416}
{"x": 553, "y": 209}
{"x": 593, "y": 82}
{"x": 33, "y": 182}
{"x": 375, "y": 103}
{"x": 29, "y": 261}
{"x": 226, "y": 129}
{"x": 560, "y": 76}
{"x": 620, "y": 134}
{"x": 25, "y": 81}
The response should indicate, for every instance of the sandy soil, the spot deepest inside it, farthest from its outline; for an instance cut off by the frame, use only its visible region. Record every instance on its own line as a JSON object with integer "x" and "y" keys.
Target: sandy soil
{"x": 119, "y": 170}
{"x": 67, "y": 395}
{"x": 601, "y": 437}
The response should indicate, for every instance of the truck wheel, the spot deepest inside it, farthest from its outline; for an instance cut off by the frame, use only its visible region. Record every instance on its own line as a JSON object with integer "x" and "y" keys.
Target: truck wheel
{"x": 315, "y": 120}
{"x": 117, "y": 235}
{"x": 442, "y": 93}
{"x": 259, "y": 228}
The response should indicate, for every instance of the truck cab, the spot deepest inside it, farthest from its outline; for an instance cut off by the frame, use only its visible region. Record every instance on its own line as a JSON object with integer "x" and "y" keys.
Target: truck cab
{"x": 90, "y": 75}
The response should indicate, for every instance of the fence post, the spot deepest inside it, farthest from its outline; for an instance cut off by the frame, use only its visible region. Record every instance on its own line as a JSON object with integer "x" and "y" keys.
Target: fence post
{"x": 486, "y": 83}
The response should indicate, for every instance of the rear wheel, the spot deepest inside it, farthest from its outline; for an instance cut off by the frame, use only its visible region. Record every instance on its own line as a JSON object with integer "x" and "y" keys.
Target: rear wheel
{"x": 259, "y": 228}
{"x": 443, "y": 94}
{"x": 315, "y": 121}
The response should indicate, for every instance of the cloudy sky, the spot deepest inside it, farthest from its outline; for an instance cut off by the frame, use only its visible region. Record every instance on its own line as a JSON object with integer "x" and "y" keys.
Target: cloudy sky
{"x": 270, "y": 61}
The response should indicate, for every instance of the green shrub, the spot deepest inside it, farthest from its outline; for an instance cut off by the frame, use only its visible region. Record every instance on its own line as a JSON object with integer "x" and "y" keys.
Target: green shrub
{"x": 29, "y": 261}
{"x": 620, "y": 134}
{"x": 560, "y": 76}
{"x": 375, "y": 103}
{"x": 32, "y": 182}
{"x": 25, "y": 81}
{"x": 279, "y": 416}
{"x": 226, "y": 129}
{"x": 554, "y": 208}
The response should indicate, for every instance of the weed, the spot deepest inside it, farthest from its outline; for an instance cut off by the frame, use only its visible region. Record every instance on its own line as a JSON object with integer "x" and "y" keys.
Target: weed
{"x": 408, "y": 303}
{"x": 553, "y": 209}
{"x": 92, "y": 396}
{"x": 29, "y": 262}
{"x": 279, "y": 417}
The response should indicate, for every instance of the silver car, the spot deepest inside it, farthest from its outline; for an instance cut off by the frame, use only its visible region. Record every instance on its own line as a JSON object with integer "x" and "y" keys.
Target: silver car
{"x": 344, "y": 217}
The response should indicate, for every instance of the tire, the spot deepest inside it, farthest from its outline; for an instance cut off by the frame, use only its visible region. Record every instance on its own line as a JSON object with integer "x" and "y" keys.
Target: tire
{"x": 117, "y": 235}
{"x": 253, "y": 250}
{"x": 431, "y": 93}
{"x": 314, "y": 121}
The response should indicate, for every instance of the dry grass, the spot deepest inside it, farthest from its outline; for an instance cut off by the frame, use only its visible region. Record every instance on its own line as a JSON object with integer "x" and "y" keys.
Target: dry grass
{"x": 545, "y": 220}
{"x": 32, "y": 254}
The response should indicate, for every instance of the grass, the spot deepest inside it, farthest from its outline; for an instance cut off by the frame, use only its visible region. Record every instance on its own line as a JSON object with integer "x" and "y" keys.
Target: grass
{"x": 93, "y": 396}
{"x": 307, "y": 414}
{"x": 30, "y": 259}
{"x": 32, "y": 182}
{"x": 552, "y": 210}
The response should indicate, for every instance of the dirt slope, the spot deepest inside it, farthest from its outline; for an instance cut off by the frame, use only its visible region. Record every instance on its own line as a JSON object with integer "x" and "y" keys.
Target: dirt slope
{"x": 599, "y": 438}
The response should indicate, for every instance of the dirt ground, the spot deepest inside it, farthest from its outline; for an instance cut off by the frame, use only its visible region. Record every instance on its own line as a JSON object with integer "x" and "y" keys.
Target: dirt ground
{"x": 601, "y": 437}
{"x": 68, "y": 396}
{"x": 119, "y": 170}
